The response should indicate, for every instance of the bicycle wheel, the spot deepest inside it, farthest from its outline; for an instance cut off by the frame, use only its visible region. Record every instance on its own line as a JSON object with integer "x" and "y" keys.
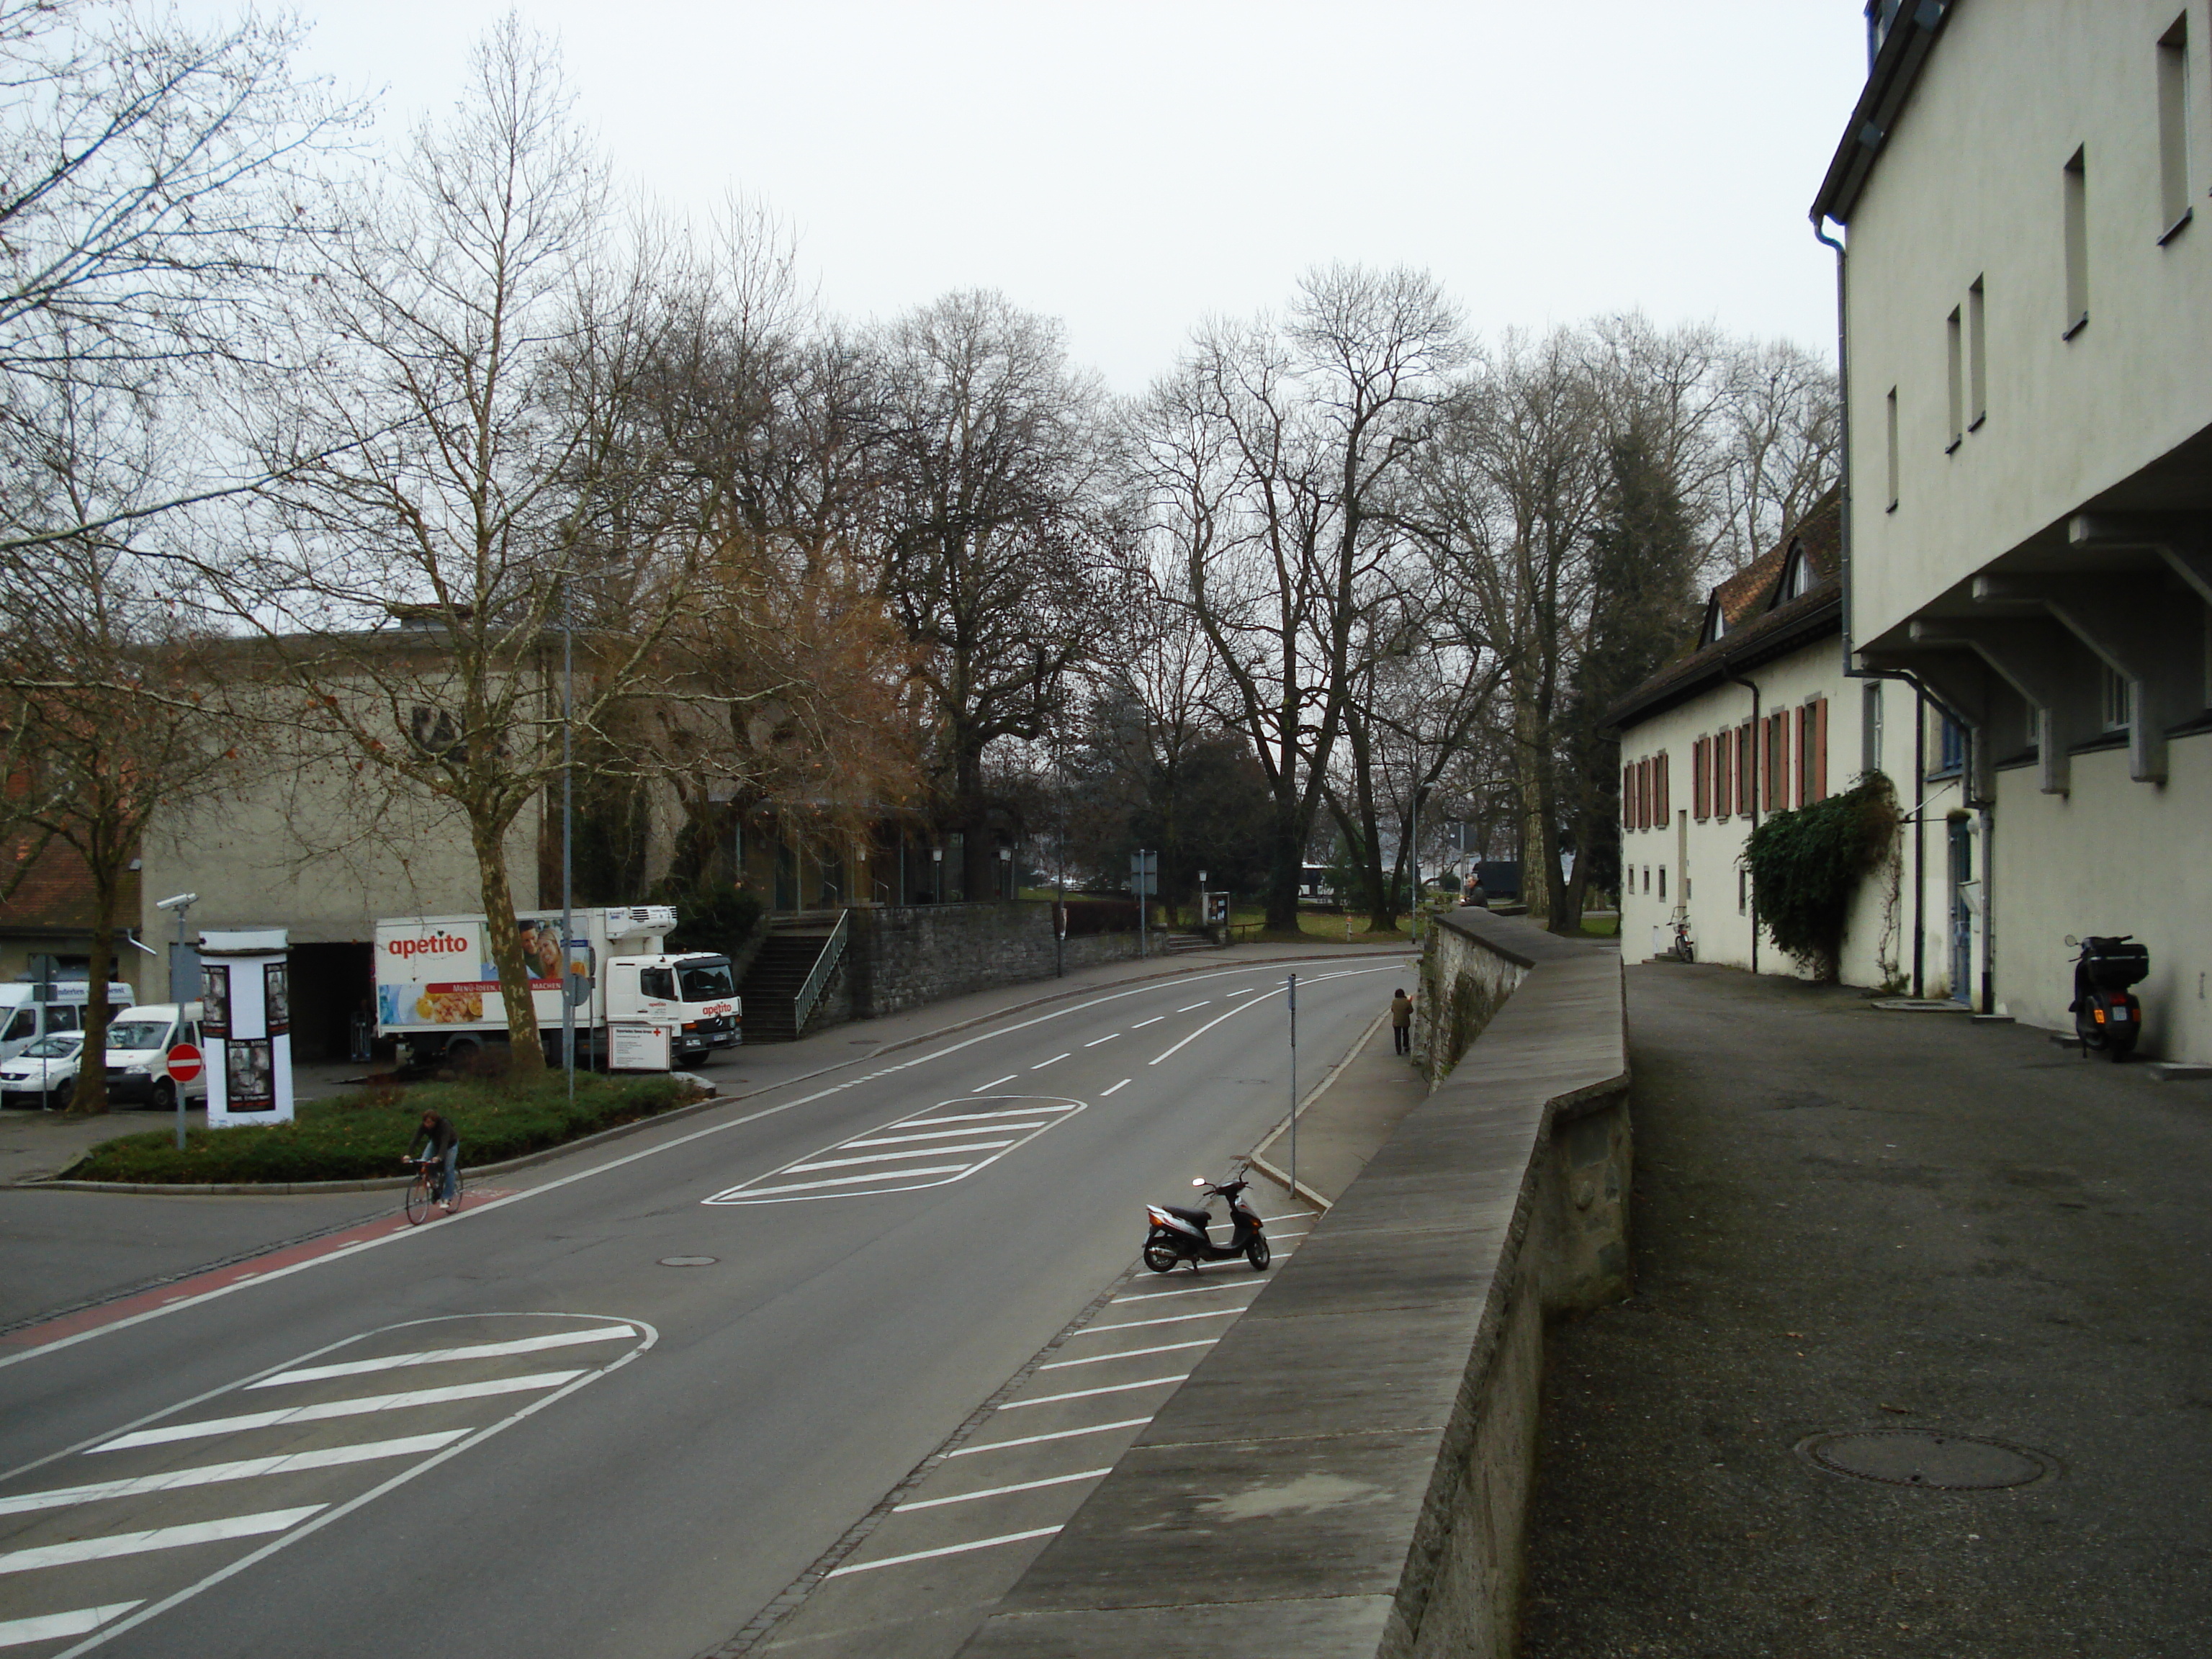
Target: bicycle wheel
{"x": 422, "y": 1196}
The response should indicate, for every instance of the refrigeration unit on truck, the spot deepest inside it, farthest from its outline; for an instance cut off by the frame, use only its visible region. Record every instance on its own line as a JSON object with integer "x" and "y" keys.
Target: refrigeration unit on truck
{"x": 437, "y": 987}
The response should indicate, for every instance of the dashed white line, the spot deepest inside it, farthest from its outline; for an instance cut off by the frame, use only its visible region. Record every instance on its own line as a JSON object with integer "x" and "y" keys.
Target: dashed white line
{"x": 1246, "y": 991}
{"x": 1117, "y": 1089}
{"x": 1085, "y": 1394}
{"x": 1057, "y": 1434}
{"x": 948, "y": 1549}
{"x": 1210, "y": 1023}
{"x": 1193, "y": 1007}
{"x": 1133, "y": 1353}
{"x": 1095, "y": 1042}
{"x": 159, "y": 1538}
{"x": 208, "y": 1475}
{"x": 330, "y": 1408}
{"x": 994, "y": 1083}
{"x": 999, "y": 1492}
{"x": 1141, "y": 1023}
{"x": 1054, "y": 1061}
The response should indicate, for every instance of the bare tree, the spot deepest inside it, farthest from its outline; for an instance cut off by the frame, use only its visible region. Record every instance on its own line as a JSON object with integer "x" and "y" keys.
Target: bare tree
{"x": 1781, "y": 445}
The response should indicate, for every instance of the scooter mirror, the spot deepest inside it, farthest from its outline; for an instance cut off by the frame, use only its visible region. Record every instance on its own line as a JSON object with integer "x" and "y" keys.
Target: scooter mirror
{"x": 2071, "y": 942}
{"x": 1198, "y": 1181}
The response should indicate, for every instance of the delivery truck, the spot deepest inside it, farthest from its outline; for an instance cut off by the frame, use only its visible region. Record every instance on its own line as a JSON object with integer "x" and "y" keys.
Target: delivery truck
{"x": 437, "y": 988}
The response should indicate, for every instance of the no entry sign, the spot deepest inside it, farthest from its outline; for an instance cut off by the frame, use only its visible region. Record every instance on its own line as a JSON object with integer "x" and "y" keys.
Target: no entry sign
{"x": 185, "y": 1062}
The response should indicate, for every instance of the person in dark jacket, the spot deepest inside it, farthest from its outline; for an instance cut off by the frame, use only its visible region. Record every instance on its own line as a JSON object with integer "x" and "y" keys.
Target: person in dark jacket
{"x": 1401, "y": 1021}
{"x": 438, "y": 1140}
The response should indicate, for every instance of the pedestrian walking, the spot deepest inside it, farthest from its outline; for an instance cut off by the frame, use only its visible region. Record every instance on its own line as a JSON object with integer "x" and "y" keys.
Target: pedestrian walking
{"x": 1401, "y": 1021}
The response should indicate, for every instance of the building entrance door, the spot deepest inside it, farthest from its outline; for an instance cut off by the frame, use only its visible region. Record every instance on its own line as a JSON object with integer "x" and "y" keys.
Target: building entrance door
{"x": 1962, "y": 911}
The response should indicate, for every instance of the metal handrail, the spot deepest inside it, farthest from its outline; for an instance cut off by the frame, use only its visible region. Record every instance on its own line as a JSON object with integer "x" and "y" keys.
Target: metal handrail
{"x": 833, "y": 953}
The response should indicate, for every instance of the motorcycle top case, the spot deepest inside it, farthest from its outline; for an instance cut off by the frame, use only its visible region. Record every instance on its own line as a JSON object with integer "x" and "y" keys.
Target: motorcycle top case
{"x": 2113, "y": 966}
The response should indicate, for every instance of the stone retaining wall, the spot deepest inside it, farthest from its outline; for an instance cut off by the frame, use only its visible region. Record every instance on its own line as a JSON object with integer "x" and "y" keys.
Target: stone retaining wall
{"x": 902, "y": 956}
{"x": 1347, "y": 1472}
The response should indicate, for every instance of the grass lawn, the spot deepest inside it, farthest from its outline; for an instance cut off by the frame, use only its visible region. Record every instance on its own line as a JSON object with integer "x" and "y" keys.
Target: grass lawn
{"x": 364, "y": 1135}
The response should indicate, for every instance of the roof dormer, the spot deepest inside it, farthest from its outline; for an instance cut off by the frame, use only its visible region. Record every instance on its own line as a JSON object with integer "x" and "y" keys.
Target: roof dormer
{"x": 1798, "y": 577}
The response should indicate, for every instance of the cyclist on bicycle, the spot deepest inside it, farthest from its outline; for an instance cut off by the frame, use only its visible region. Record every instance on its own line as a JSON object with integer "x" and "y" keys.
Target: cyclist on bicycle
{"x": 439, "y": 1143}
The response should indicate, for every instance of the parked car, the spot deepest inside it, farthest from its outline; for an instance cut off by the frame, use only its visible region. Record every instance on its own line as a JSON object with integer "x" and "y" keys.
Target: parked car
{"x": 24, "y": 1018}
{"x": 138, "y": 1044}
{"x": 44, "y": 1074}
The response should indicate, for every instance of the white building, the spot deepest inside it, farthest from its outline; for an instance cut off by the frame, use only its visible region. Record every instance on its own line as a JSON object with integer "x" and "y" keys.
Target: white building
{"x": 1759, "y": 718}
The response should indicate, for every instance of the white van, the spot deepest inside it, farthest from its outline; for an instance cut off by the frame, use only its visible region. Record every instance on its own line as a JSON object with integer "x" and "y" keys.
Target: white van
{"x": 24, "y": 1020}
{"x": 139, "y": 1039}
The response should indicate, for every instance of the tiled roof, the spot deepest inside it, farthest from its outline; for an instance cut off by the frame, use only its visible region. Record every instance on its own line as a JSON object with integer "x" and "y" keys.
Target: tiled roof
{"x": 1759, "y": 622}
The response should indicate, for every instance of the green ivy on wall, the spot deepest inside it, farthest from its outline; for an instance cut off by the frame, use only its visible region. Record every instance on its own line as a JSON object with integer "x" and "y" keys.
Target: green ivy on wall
{"x": 1805, "y": 865}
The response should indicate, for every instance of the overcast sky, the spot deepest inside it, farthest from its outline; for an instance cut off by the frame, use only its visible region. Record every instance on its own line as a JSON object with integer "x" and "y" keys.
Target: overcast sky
{"x": 1132, "y": 167}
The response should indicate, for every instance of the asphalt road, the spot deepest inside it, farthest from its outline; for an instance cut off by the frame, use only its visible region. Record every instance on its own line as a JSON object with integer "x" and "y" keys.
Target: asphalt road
{"x": 518, "y": 1430}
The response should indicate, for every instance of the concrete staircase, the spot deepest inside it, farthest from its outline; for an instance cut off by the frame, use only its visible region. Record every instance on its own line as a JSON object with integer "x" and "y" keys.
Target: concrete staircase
{"x": 769, "y": 991}
{"x": 1176, "y": 944}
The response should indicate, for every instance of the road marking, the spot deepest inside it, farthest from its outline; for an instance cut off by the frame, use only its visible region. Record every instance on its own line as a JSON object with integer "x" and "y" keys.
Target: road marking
{"x": 331, "y": 1409}
{"x": 1141, "y": 1023}
{"x": 887, "y": 1158}
{"x": 982, "y": 1087}
{"x": 1168, "y": 1319}
{"x": 1062, "y": 1107}
{"x": 441, "y": 1355}
{"x": 1133, "y": 1353}
{"x": 838, "y": 1181}
{"x": 1057, "y": 1434}
{"x": 933, "y": 1135}
{"x": 1263, "y": 997}
{"x": 159, "y": 1538}
{"x": 1246, "y": 991}
{"x": 1253, "y": 1283}
{"x": 1054, "y": 1061}
{"x": 1085, "y": 1394}
{"x": 1095, "y": 1042}
{"x": 948, "y": 1549}
{"x": 69, "y": 1330}
{"x": 999, "y": 1491}
{"x": 1117, "y": 1088}
{"x": 1193, "y": 1006}
{"x": 208, "y": 1475}
{"x": 14, "y": 1632}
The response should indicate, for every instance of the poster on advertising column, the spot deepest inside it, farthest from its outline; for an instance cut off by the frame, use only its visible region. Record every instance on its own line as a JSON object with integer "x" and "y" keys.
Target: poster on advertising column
{"x": 246, "y": 1023}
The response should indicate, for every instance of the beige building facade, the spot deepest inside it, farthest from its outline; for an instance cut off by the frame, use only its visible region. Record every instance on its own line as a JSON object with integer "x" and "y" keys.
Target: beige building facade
{"x": 2027, "y": 321}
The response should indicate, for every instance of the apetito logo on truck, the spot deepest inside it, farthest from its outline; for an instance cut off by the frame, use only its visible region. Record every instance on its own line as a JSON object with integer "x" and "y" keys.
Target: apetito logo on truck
{"x": 437, "y": 945}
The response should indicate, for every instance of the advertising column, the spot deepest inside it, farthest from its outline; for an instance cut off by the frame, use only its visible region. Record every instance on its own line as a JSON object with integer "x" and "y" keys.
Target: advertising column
{"x": 245, "y": 1022}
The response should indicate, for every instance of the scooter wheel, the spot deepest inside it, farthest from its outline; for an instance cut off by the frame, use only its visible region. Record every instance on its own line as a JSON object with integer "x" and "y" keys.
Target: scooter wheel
{"x": 1259, "y": 1254}
{"x": 1161, "y": 1258}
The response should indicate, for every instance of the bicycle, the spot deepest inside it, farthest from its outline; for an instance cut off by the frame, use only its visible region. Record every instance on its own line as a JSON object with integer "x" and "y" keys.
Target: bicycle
{"x": 1680, "y": 947}
{"x": 423, "y": 1190}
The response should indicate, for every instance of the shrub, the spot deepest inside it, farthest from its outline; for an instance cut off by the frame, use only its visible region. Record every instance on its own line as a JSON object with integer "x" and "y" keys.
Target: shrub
{"x": 1805, "y": 865}
{"x": 364, "y": 1138}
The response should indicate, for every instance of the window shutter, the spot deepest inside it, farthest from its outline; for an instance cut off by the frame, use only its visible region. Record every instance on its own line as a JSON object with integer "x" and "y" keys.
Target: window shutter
{"x": 1628, "y": 798}
{"x": 1722, "y": 774}
{"x": 1666, "y": 797}
{"x": 1701, "y": 786}
{"x": 1821, "y": 750}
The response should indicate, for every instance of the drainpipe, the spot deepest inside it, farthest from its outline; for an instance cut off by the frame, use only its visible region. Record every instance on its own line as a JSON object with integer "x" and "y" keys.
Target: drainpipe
{"x": 1919, "y": 845}
{"x": 1758, "y": 779}
{"x": 1989, "y": 909}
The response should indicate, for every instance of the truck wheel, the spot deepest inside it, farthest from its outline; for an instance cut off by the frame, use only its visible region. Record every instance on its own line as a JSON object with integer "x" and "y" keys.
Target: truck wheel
{"x": 461, "y": 1053}
{"x": 164, "y": 1098}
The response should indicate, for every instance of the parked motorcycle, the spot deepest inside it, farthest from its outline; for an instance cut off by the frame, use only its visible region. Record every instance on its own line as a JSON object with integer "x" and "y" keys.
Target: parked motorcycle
{"x": 2106, "y": 1015}
{"x": 1180, "y": 1234}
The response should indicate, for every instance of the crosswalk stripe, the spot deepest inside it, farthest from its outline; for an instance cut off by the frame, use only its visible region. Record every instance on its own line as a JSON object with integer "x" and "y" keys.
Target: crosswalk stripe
{"x": 736, "y": 1193}
{"x": 999, "y": 1491}
{"x": 208, "y": 1475}
{"x": 330, "y": 1408}
{"x": 948, "y": 1549}
{"x": 1057, "y": 1434}
{"x": 887, "y": 1158}
{"x": 1170, "y": 1319}
{"x": 444, "y": 1355}
{"x": 1133, "y": 1353}
{"x": 159, "y": 1538}
{"x": 931, "y": 1134}
{"x": 977, "y": 1117}
{"x": 53, "y": 1627}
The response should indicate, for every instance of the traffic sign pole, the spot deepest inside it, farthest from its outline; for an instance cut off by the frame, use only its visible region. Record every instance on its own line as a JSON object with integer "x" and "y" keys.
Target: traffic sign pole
{"x": 185, "y": 1063}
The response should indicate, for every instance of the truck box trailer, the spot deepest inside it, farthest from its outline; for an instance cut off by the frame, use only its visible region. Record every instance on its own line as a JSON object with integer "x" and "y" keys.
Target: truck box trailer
{"x": 437, "y": 988}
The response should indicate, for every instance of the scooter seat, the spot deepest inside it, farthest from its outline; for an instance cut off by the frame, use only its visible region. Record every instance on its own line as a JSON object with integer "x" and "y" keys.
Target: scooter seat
{"x": 1198, "y": 1219}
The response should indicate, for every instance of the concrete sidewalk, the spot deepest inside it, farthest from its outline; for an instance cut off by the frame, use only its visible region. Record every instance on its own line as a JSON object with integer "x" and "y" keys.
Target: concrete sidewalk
{"x": 1852, "y": 1220}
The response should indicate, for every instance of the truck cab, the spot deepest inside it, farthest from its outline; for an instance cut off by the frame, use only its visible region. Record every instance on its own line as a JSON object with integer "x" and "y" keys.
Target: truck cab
{"x": 693, "y": 993}
{"x": 24, "y": 1018}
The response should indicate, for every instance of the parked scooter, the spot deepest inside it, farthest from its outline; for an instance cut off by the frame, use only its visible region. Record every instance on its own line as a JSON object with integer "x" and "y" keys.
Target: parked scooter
{"x": 2106, "y": 1016}
{"x": 1181, "y": 1235}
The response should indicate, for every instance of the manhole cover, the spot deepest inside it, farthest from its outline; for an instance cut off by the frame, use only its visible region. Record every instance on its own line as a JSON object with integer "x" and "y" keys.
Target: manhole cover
{"x": 688, "y": 1261}
{"x": 1921, "y": 1457}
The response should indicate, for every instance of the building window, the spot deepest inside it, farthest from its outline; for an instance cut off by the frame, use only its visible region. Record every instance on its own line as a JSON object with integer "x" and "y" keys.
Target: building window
{"x": 1950, "y": 749}
{"x": 1870, "y": 727}
{"x": 1665, "y": 815}
{"x": 1742, "y": 891}
{"x": 1747, "y": 770}
{"x": 1723, "y": 742}
{"x": 1662, "y": 881}
{"x": 1977, "y": 357}
{"x": 1891, "y": 416}
{"x": 1701, "y": 781}
{"x": 2074, "y": 187}
{"x": 2174, "y": 128}
{"x": 1812, "y": 752}
{"x": 2118, "y": 701}
{"x": 1954, "y": 360}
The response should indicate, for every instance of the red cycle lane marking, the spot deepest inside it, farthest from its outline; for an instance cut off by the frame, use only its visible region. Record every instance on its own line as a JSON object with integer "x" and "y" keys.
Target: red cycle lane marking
{"x": 216, "y": 1279}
